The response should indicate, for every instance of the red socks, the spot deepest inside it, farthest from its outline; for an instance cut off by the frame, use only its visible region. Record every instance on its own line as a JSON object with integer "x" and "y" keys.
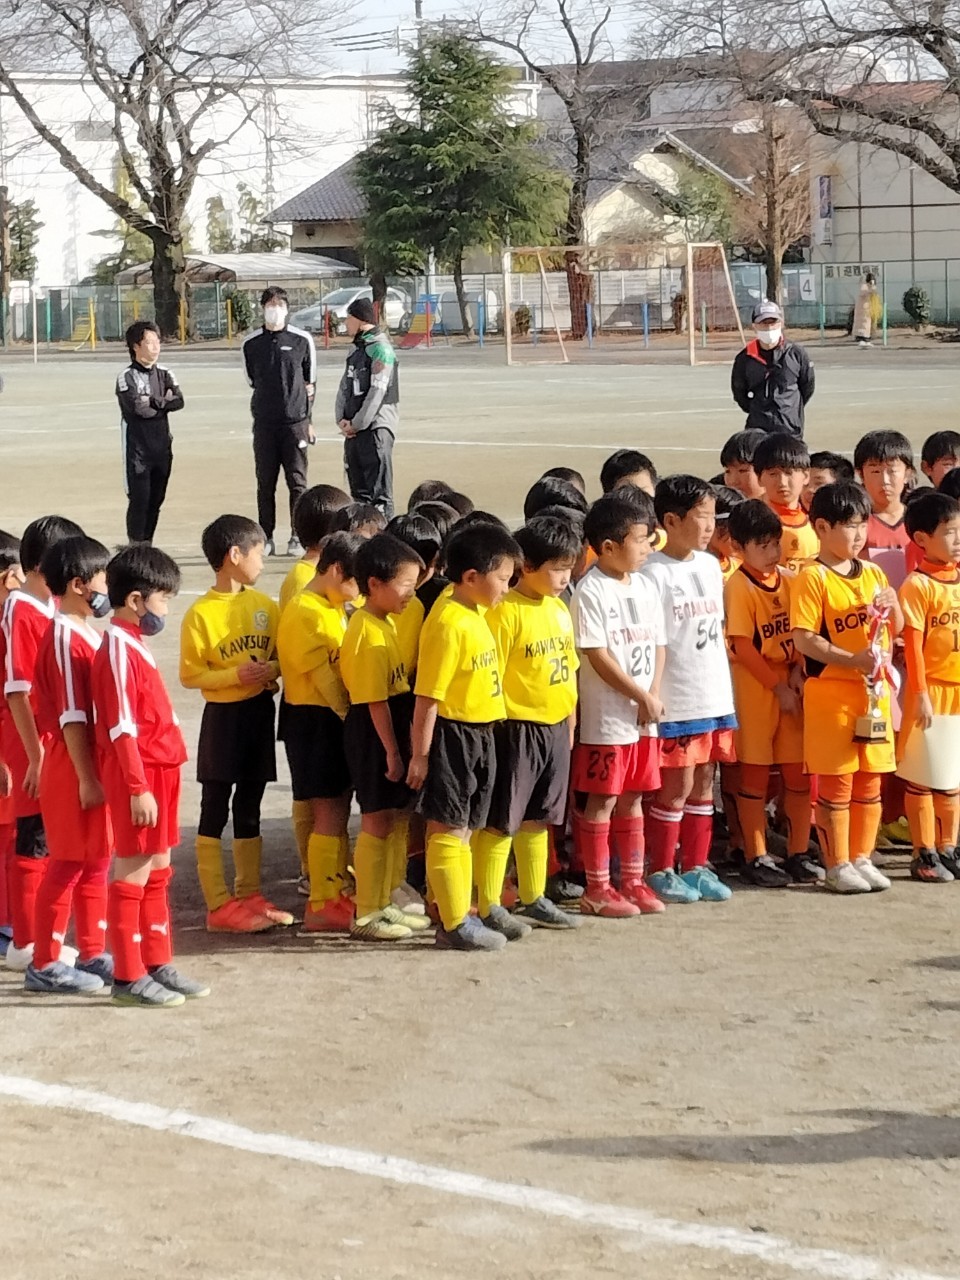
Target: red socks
{"x": 8, "y": 839}
{"x": 156, "y": 944}
{"x": 123, "y": 925}
{"x": 52, "y": 913}
{"x": 696, "y": 834}
{"x": 626, "y": 835}
{"x": 593, "y": 846}
{"x": 23, "y": 879}
{"x": 663, "y": 832}
{"x": 90, "y": 909}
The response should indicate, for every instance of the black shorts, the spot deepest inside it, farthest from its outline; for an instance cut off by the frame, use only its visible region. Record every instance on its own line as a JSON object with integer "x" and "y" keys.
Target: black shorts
{"x": 533, "y": 774}
{"x": 367, "y": 759}
{"x": 460, "y": 775}
{"x": 31, "y": 839}
{"x": 313, "y": 739}
{"x": 237, "y": 741}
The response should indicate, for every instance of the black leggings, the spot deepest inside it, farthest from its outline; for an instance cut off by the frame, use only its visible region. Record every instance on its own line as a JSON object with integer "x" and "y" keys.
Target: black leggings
{"x": 215, "y": 809}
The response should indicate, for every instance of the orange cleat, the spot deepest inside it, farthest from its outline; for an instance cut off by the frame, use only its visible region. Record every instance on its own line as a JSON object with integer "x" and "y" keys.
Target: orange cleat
{"x": 262, "y": 907}
{"x": 335, "y": 916}
{"x": 641, "y": 895}
{"x": 236, "y": 917}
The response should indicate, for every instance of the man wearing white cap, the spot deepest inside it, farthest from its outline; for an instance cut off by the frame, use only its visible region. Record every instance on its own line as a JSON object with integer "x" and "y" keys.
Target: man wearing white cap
{"x": 772, "y": 378}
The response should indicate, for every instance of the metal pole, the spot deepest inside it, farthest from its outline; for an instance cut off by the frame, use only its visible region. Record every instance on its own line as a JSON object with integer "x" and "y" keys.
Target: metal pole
{"x": 646, "y": 324}
{"x": 506, "y": 264}
{"x": 703, "y": 325}
{"x": 589, "y": 310}
{"x": 33, "y": 306}
{"x": 230, "y": 321}
{"x": 481, "y": 321}
{"x": 534, "y": 335}
{"x": 93, "y": 325}
{"x": 119, "y": 313}
{"x": 691, "y": 323}
{"x": 823, "y": 321}
{"x": 946, "y": 289}
{"x": 883, "y": 278}
{"x": 426, "y": 313}
{"x": 49, "y": 319}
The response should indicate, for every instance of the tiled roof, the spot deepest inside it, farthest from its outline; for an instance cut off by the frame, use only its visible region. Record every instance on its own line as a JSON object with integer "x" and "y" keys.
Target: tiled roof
{"x": 335, "y": 198}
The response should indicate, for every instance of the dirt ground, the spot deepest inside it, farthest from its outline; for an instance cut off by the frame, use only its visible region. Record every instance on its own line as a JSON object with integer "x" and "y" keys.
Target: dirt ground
{"x": 781, "y": 1065}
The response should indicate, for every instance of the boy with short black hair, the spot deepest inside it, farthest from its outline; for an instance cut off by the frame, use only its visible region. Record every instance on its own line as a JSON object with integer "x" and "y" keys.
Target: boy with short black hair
{"x": 939, "y": 455}
{"x": 844, "y": 615}
{"x": 463, "y": 505}
{"x": 228, "y": 642}
{"x": 360, "y": 517}
{"x": 884, "y": 462}
{"x": 11, "y": 579}
{"x": 140, "y": 751}
{"x": 736, "y": 458}
{"x": 313, "y": 519}
{"x": 569, "y": 474}
{"x": 782, "y": 464}
{"x": 930, "y": 599}
{"x": 696, "y": 732}
{"x": 628, "y": 466}
{"x": 27, "y": 614}
{"x": 314, "y": 707}
{"x": 767, "y": 691}
{"x": 459, "y": 698}
{"x": 422, "y": 537}
{"x": 377, "y": 736}
{"x": 619, "y": 633}
{"x": 825, "y": 468}
{"x": 71, "y": 798}
{"x": 535, "y": 645}
{"x": 440, "y": 514}
{"x": 550, "y": 491}
{"x": 429, "y": 491}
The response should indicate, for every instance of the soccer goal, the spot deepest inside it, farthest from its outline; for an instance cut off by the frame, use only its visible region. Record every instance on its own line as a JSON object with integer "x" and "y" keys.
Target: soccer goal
{"x": 579, "y": 303}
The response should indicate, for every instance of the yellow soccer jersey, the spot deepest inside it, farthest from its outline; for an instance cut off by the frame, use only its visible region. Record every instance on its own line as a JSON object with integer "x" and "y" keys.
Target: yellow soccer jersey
{"x": 221, "y": 632}
{"x": 760, "y": 611}
{"x": 371, "y": 664}
{"x": 308, "y": 643}
{"x": 931, "y": 605}
{"x": 409, "y": 625}
{"x": 458, "y": 664}
{"x": 835, "y": 607}
{"x": 537, "y": 655}
{"x": 799, "y": 544}
{"x": 298, "y": 577}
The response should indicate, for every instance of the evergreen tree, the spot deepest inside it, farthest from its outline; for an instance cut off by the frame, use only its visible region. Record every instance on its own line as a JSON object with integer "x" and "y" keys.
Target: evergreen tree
{"x": 24, "y": 236}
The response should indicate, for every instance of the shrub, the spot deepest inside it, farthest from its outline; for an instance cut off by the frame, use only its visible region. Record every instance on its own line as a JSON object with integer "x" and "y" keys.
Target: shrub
{"x": 242, "y": 310}
{"x": 521, "y": 320}
{"x": 916, "y": 303}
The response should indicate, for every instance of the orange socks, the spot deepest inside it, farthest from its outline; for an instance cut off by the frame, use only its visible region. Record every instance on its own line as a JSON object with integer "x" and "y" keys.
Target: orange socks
{"x": 918, "y": 802}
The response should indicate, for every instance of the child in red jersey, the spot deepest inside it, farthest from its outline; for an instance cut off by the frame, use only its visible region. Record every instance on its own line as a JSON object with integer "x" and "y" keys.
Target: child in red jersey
{"x": 27, "y": 614}
{"x": 11, "y": 578}
{"x": 71, "y": 798}
{"x": 884, "y": 462}
{"x": 140, "y": 751}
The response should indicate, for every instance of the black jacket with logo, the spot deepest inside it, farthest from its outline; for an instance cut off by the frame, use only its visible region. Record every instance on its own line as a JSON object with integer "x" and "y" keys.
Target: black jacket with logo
{"x": 279, "y": 365}
{"x": 145, "y": 407}
{"x": 773, "y": 392}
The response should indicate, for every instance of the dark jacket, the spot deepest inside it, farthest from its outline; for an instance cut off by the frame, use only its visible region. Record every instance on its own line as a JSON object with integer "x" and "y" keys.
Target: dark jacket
{"x": 773, "y": 393}
{"x": 369, "y": 391}
{"x": 144, "y": 407}
{"x": 279, "y": 366}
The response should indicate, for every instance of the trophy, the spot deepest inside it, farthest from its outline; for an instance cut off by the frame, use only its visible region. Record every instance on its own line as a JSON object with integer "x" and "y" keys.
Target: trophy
{"x": 874, "y": 726}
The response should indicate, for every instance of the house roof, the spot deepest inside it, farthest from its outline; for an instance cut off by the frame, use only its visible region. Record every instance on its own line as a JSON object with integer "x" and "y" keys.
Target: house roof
{"x": 247, "y": 268}
{"x": 335, "y": 198}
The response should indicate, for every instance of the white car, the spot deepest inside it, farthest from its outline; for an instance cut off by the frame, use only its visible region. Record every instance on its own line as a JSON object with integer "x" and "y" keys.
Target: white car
{"x": 396, "y": 310}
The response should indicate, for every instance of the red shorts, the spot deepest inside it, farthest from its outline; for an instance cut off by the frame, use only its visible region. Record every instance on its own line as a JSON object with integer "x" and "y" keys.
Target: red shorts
{"x": 73, "y": 834}
{"x": 15, "y": 758}
{"x": 138, "y": 842}
{"x": 699, "y": 748}
{"x": 608, "y": 770}
{"x": 7, "y": 815}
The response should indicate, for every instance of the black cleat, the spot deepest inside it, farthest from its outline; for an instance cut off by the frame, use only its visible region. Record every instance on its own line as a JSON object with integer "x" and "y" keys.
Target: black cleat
{"x": 926, "y": 866}
{"x": 764, "y": 873}
{"x": 804, "y": 868}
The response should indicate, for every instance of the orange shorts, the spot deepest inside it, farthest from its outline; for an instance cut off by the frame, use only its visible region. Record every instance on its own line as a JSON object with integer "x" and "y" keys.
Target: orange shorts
{"x": 830, "y": 711}
{"x": 765, "y": 735}
{"x": 627, "y": 768}
{"x": 699, "y": 748}
{"x": 139, "y": 842}
{"x": 75, "y": 834}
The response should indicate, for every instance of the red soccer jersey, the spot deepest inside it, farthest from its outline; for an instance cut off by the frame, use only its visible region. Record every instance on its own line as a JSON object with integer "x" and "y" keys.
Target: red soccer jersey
{"x": 62, "y": 679}
{"x": 135, "y": 718}
{"x": 24, "y": 623}
{"x": 886, "y": 546}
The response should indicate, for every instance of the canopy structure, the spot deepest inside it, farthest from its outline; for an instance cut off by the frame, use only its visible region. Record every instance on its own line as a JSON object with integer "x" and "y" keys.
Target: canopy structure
{"x": 248, "y": 268}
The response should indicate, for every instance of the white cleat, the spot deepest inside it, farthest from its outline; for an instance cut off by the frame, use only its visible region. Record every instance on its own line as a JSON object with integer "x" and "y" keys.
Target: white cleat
{"x": 845, "y": 878}
{"x": 874, "y": 878}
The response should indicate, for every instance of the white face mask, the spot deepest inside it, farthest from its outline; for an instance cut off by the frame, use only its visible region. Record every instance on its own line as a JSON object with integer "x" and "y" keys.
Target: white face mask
{"x": 274, "y": 315}
{"x": 768, "y": 337}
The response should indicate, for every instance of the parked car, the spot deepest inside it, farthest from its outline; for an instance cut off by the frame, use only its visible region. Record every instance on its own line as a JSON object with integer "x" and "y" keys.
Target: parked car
{"x": 396, "y": 310}
{"x": 449, "y": 309}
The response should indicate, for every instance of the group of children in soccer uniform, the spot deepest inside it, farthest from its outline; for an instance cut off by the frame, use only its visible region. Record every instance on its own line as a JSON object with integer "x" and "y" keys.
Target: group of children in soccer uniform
{"x": 476, "y": 692}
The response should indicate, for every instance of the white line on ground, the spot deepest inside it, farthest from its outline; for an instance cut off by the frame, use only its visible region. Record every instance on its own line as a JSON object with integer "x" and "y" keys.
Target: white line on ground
{"x": 773, "y": 1250}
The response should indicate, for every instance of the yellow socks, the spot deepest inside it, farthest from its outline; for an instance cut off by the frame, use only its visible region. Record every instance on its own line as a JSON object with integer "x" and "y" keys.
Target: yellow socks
{"x": 302, "y": 829}
{"x": 213, "y": 885}
{"x": 397, "y": 863}
{"x": 531, "y": 850}
{"x": 370, "y": 860}
{"x": 323, "y": 861}
{"x": 449, "y": 872}
{"x": 246, "y": 866}
{"x": 343, "y": 857}
{"x": 490, "y": 853}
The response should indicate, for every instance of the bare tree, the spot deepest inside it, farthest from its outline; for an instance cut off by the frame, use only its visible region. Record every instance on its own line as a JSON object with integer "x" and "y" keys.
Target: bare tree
{"x": 175, "y": 80}
{"x": 778, "y": 214}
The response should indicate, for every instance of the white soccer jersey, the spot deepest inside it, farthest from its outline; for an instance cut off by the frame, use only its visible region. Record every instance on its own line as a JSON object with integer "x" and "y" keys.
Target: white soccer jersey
{"x": 696, "y": 677}
{"x": 625, "y": 618}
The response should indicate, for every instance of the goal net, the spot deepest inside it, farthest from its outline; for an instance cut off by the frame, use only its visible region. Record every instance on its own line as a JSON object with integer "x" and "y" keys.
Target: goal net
{"x": 582, "y": 303}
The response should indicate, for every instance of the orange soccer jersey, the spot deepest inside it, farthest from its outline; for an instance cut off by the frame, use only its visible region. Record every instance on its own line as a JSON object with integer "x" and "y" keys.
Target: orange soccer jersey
{"x": 799, "y": 544}
{"x": 930, "y": 599}
{"x": 838, "y": 608}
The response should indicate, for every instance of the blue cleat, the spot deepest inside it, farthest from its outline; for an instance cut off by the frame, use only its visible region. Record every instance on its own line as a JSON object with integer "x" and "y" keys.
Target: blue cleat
{"x": 169, "y": 977}
{"x": 707, "y": 884}
{"x": 470, "y": 935}
{"x": 101, "y": 966}
{"x": 59, "y": 979}
{"x": 671, "y": 888}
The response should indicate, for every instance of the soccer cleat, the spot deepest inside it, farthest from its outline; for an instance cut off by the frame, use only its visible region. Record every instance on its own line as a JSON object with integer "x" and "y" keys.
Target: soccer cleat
{"x": 608, "y": 903}
{"x": 415, "y": 923}
{"x": 145, "y": 993}
{"x": 408, "y": 900}
{"x": 60, "y": 979}
{"x": 874, "y": 878}
{"x": 101, "y": 966}
{"x": 560, "y": 889}
{"x": 926, "y": 865}
{"x": 235, "y": 917}
{"x": 335, "y": 916}
{"x": 19, "y": 959}
{"x": 707, "y": 884}
{"x": 804, "y": 869}
{"x": 294, "y": 547}
{"x": 470, "y": 935}
{"x": 169, "y": 977}
{"x": 261, "y": 906}
{"x": 844, "y": 878}
{"x": 764, "y": 873}
{"x": 545, "y": 915}
{"x": 303, "y": 886}
{"x": 270, "y": 547}
{"x": 897, "y": 832}
{"x": 501, "y": 921}
{"x": 641, "y": 895}
{"x": 375, "y": 928}
{"x": 950, "y": 858}
{"x": 670, "y": 888}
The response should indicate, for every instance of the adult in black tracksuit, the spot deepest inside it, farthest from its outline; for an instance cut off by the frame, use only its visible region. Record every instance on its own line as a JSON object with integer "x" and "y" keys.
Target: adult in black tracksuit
{"x": 148, "y": 394}
{"x": 772, "y": 378}
{"x": 281, "y": 366}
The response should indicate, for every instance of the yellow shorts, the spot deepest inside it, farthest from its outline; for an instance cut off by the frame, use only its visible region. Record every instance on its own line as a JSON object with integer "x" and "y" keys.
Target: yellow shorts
{"x": 946, "y": 702}
{"x": 830, "y": 711}
{"x": 765, "y": 735}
